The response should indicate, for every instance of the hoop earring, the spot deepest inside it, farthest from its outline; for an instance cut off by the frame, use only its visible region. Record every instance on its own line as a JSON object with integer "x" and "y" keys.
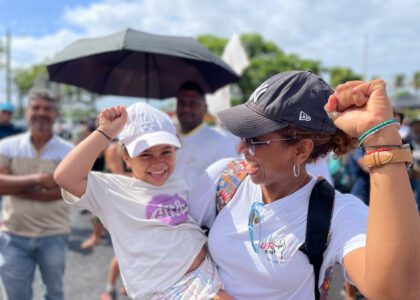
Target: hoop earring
{"x": 296, "y": 170}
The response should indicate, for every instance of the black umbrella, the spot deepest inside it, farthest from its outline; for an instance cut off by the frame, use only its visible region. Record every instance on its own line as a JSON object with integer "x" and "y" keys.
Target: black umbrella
{"x": 138, "y": 64}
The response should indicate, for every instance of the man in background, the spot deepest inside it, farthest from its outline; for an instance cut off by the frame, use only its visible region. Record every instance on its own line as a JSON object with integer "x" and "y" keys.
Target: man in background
{"x": 7, "y": 128}
{"x": 201, "y": 144}
{"x": 36, "y": 220}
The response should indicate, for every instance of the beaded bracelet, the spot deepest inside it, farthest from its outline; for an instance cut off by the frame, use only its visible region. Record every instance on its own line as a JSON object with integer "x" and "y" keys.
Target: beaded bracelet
{"x": 104, "y": 134}
{"x": 375, "y": 129}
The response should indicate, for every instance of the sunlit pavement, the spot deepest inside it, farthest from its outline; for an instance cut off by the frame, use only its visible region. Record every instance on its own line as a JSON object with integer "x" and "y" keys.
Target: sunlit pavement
{"x": 86, "y": 270}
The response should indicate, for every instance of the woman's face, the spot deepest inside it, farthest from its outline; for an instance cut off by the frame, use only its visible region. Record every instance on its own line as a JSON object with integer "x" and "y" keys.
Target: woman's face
{"x": 154, "y": 165}
{"x": 272, "y": 163}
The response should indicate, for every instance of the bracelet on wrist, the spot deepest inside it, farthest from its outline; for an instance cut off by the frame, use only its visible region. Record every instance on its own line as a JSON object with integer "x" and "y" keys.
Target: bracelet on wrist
{"x": 383, "y": 156}
{"x": 372, "y": 148}
{"x": 104, "y": 134}
{"x": 375, "y": 129}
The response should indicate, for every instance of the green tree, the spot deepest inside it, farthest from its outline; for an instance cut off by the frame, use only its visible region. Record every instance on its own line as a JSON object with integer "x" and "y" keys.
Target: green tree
{"x": 213, "y": 43}
{"x": 24, "y": 80}
{"x": 340, "y": 75}
{"x": 255, "y": 46}
{"x": 416, "y": 81}
{"x": 399, "y": 81}
{"x": 266, "y": 60}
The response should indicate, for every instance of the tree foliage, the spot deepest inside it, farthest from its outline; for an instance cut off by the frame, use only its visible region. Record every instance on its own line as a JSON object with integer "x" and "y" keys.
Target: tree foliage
{"x": 24, "y": 79}
{"x": 416, "y": 81}
{"x": 340, "y": 75}
{"x": 399, "y": 81}
{"x": 213, "y": 43}
{"x": 266, "y": 59}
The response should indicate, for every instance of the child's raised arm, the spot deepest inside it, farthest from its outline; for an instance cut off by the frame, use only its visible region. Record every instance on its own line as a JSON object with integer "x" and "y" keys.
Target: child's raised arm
{"x": 71, "y": 173}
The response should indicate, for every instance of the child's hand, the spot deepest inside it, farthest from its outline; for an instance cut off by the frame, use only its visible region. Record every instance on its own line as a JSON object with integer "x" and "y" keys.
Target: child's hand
{"x": 112, "y": 120}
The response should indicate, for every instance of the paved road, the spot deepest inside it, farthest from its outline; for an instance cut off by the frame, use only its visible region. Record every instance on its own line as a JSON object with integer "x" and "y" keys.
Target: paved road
{"x": 86, "y": 271}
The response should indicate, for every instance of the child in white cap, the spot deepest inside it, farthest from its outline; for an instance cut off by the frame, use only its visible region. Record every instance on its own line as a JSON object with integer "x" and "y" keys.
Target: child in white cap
{"x": 159, "y": 247}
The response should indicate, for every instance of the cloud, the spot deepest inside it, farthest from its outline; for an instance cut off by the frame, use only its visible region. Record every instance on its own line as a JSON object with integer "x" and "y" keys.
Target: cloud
{"x": 334, "y": 32}
{"x": 29, "y": 50}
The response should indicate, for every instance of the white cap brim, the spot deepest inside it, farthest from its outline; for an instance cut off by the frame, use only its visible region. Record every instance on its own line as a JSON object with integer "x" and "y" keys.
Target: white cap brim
{"x": 148, "y": 140}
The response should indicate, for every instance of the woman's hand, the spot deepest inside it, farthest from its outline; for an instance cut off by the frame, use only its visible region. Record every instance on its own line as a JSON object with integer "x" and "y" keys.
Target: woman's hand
{"x": 361, "y": 105}
{"x": 112, "y": 120}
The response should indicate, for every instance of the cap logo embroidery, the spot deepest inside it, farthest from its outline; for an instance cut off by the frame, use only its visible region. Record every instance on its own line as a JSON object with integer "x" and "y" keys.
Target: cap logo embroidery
{"x": 304, "y": 116}
{"x": 259, "y": 92}
{"x": 145, "y": 122}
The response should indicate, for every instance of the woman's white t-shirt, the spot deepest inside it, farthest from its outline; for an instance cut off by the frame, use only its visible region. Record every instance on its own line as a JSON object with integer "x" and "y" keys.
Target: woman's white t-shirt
{"x": 279, "y": 270}
{"x": 154, "y": 238}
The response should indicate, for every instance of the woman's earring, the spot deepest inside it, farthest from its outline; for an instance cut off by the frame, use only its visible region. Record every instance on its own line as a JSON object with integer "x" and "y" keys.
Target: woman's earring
{"x": 296, "y": 170}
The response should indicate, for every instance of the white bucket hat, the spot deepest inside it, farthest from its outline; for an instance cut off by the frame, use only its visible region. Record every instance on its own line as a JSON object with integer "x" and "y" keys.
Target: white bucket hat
{"x": 147, "y": 127}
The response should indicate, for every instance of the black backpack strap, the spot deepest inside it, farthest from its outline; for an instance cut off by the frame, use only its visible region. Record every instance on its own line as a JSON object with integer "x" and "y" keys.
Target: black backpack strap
{"x": 318, "y": 224}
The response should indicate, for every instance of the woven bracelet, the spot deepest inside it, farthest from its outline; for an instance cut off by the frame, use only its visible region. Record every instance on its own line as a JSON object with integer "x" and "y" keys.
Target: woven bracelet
{"x": 375, "y": 129}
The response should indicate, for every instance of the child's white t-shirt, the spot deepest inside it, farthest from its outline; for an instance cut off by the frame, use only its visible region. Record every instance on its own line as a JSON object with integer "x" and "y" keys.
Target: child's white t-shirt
{"x": 154, "y": 238}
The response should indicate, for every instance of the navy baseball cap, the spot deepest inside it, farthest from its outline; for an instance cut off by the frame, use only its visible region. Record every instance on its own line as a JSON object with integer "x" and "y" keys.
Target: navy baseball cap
{"x": 290, "y": 98}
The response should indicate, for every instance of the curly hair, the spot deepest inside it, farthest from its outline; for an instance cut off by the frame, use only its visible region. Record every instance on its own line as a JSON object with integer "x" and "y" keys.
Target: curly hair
{"x": 340, "y": 143}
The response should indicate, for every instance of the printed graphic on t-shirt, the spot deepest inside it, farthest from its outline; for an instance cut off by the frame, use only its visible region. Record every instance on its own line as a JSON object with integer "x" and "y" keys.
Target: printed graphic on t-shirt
{"x": 274, "y": 247}
{"x": 279, "y": 248}
{"x": 168, "y": 209}
{"x": 326, "y": 283}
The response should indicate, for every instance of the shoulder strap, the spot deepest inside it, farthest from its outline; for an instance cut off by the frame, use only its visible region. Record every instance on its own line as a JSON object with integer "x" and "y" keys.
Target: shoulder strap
{"x": 229, "y": 182}
{"x": 319, "y": 212}
{"x": 318, "y": 224}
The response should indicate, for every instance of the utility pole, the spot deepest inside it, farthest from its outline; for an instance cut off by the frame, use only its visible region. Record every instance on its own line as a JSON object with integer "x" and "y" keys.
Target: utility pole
{"x": 8, "y": 67}
{"x": 365, "y": 57}
{"x": 2, "y": 48}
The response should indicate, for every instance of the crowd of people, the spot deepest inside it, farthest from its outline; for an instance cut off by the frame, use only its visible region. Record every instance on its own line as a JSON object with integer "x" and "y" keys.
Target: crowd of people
{"x": 234, "y": 216}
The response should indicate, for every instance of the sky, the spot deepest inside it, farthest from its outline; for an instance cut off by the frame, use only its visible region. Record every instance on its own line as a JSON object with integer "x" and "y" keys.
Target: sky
{"x": 372, "y": 37}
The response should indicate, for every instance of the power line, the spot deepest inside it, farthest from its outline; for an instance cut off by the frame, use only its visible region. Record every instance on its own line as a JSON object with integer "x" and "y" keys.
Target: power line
{"x": 8, "y": 66}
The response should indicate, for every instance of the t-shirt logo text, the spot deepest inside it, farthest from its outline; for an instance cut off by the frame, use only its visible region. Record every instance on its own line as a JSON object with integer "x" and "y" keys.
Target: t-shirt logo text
{"x": 168, "y": 209}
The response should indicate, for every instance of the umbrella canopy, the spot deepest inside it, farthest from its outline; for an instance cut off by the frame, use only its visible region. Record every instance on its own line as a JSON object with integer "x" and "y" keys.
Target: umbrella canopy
{"x": 138, "y": 64}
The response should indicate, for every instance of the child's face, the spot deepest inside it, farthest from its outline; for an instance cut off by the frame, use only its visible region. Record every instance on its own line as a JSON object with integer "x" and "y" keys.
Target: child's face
{"x": 154, "y": 165}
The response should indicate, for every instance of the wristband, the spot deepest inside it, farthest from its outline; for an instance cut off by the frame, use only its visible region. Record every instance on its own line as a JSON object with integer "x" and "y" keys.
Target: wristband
{"x": 375, "y": 129}
{"x": 104, "y": 134}
{"x": 380, "y": 158}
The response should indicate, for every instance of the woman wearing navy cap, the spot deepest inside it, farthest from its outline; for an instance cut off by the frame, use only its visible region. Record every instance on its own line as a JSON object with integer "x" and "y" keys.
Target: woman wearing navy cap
{"x": 256, "y": 239}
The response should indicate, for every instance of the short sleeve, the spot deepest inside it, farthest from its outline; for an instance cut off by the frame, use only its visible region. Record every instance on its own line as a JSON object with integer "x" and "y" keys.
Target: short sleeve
{"x": 95, "y": 192}
{"x": 6, "y": 150}
{"x": 202, "y": 198}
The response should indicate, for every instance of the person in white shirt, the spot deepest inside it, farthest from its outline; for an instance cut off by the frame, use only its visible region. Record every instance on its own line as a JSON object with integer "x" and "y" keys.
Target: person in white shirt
{"x": 201, "y": 144}
{"x": 291, "y": 119}
{"x": 159, "y": 247}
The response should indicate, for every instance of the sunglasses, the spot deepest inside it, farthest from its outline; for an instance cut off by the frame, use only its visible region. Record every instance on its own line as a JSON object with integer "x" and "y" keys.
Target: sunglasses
{"x": 255, "y": 218}
{"x": 250, "y": 143}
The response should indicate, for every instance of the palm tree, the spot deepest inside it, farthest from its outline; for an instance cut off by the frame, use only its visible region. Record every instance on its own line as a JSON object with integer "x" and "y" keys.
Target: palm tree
{"x": 399, "y": 81}
{"x": 416, "y": 82}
